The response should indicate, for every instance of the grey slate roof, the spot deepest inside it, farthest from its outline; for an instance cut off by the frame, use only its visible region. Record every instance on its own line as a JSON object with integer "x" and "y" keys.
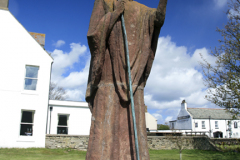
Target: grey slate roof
{"x": 204, "y": 113}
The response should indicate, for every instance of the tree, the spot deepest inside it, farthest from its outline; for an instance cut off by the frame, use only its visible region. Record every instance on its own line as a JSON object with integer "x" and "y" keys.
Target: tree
{"x": 178, "y": 140}
{"x": 222, "y": 77}
{"x": 162, "y": 127}
{"x": 56, "y": 92}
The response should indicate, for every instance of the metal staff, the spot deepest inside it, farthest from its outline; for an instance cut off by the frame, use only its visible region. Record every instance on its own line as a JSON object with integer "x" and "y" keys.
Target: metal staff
{"x": 130, "y": 86}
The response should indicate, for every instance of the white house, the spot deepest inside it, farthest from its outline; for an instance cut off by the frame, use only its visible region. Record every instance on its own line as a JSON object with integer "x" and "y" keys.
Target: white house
{"x": 151, "y": 122}
{"x": 25, "y": 76}
{"x": 217, "y": 123}
{"x": 68, "y": 117}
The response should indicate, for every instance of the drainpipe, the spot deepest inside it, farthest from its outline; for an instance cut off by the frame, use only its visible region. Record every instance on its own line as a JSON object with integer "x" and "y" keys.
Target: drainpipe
{"x": 49, "y": 96}
{"x": 209, "y": 127}
{"x": 51, "y": 108}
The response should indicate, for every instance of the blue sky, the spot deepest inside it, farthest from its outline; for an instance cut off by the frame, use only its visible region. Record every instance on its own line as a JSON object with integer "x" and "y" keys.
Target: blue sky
{"x": 189, "y": 29}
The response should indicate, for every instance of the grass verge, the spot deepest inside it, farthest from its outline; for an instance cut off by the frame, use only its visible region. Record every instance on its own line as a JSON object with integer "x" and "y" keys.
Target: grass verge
{"x": 70, "y": 154}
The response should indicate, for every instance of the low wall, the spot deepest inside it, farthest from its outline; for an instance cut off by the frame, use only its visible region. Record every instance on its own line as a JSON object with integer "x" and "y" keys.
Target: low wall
{"x": 67, "y": 141}
{"x": 170, "y": 142}
{"x": 154, "y": 142}
{"x": 229, "y": 141}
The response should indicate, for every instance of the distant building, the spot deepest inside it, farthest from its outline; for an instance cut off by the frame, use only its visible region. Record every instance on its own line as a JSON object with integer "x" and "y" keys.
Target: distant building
{"x": 217, "y": 123}
{"x": 151, "y": 122}
{"x": 24, "y": 88}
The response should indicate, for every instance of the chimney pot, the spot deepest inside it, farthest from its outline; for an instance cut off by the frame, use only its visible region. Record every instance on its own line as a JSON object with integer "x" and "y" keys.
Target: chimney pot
{"x": 184, "y": 105}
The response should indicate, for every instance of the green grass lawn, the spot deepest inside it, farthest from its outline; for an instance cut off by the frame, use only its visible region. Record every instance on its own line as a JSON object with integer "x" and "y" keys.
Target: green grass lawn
{"x": 227, "y": 148}
{"x": 69, "y": 154}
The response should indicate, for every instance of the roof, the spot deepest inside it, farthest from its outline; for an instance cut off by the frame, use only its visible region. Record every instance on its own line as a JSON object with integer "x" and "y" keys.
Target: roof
{"x": 204, "y": 113}
{"x": 39, "y": 37}
{"x": 60, "y": 103}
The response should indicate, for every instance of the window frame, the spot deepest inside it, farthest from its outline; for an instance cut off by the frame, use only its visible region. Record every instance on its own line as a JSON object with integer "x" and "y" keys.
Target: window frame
{"x": 229, "y": 124}
{"x": 31, "y": 78}
{"x": 63, "y": 126}
{"x": 26, "y": 123}
{"x": 235, "y": 125}
{"x": 196, "y": 124}
{"x": 216, "y": 125}
{"x": 203, "y": 125}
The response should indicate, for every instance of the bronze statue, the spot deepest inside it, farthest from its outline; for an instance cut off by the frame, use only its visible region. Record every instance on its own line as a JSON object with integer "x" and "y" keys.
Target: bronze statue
{"x": 111, "y": 133}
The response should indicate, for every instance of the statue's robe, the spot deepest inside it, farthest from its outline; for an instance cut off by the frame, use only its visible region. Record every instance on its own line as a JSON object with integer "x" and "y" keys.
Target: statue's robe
{"x": 111, "y": 133}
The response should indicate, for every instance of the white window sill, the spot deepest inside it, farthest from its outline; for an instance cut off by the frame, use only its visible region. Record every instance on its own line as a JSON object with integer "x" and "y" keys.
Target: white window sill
{"x": 30, "y": 92}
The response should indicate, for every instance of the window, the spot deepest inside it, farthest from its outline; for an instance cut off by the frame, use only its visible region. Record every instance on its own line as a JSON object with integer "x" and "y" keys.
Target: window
{"x": 62, "y": 127}
{"x": 229, "y": 124}
{"x": 203, "y": 124}
{"x": 31, "y": 78}
{"x": 26, "y": 126}
{"x": 216, "y": 124}
{"x": 235, "y": 125}
{"x": 196, "y": 125}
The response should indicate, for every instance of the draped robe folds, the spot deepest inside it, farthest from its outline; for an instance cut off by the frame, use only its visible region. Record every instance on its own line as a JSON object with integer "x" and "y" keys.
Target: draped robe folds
{"x": 111, "y": 132}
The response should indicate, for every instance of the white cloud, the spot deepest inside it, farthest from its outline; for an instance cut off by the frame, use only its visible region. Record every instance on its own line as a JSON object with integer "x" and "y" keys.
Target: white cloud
{"x": 74, "y": 82}
{"x": 220, "y": 3}
{"x": 233, "y": 12}
{"x": 158, "y": 117}
{"x": 176, "y": 75}
{"x": 64, "y": 61}
{"x": 76, "y": 94}
{"x": 59, "y": 43}
{"x": 169, "y": 118}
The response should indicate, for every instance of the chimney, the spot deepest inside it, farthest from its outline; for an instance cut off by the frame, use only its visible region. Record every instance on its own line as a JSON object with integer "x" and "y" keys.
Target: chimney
{"x": 184, "y": 105}
{"x": 39, "y": 37}
{"x": 4, "y": 4}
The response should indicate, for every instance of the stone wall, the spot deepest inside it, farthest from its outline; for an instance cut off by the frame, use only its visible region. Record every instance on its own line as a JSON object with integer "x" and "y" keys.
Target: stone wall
{"x": 229, "y": 141}
{"x": 171, "y": 142}
{"x": 154, "y": 142}
{"x": 67, "y": 141}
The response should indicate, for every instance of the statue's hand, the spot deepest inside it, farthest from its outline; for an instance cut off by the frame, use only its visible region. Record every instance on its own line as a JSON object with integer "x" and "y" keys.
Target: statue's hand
{"x": 162, "y": 6}
{"x": 120, "y": 6}
{"x": 161, "y": 12}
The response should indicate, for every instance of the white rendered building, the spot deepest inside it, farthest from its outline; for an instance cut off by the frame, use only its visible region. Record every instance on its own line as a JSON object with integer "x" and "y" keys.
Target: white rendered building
{"x": 151, "y": 122}
{"x": 216, "y": 123}
{"x": 25, "y": 77}
{"x": 68, "y": 117}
